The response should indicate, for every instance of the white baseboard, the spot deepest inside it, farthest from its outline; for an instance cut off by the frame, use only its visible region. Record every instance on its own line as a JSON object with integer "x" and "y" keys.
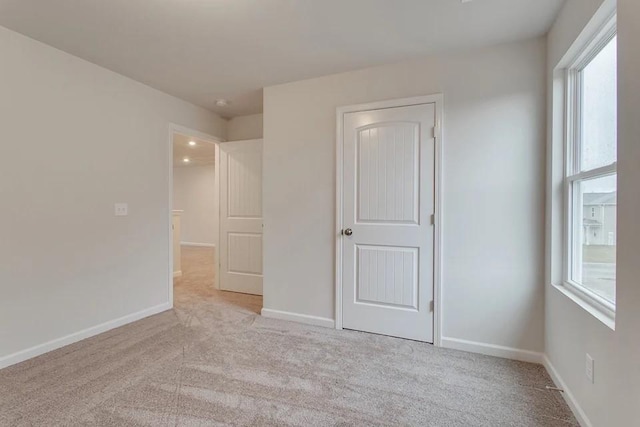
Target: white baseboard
{"x": 492, "y": 350}
{"x": 202, "y": 245}
{"x": 177, "y": 273}
{"x": 300, "y": 318}
{"x": 57, "y": 343}
{"x": 567, "y": 395}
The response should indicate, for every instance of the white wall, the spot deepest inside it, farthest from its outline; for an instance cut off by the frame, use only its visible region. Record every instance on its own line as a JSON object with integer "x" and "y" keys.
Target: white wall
{"x": 626, "y": 399}
{"x": 194, "y": 193}
{"x": 245, "y": 127}
{"x": 75, "y": 139}
{"x": 571, "y": 332}
{"x": 494, "y": 127}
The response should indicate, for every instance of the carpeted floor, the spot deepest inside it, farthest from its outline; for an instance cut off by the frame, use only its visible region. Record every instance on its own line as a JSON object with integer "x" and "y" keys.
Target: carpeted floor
{"x": 213, "y": 361}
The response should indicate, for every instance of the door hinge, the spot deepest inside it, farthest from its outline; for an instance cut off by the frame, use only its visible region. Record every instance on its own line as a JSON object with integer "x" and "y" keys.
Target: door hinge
{"x": 433, "y": 219}
{"x": 432, "y": 305}
{"x": 434, "y": 132}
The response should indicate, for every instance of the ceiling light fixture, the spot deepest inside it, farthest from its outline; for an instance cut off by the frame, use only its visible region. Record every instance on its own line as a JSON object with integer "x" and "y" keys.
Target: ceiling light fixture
{"x": 192, "y": 143}
{"x": 222, "y": 102}
{"x": 186, "y": 160}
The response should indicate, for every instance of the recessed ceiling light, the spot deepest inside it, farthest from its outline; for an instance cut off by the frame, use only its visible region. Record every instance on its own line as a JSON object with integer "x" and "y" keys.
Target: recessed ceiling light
{"x": 192, "y": 143}
{"x": 222, "y": 102}
{"x": 186, "y": 160}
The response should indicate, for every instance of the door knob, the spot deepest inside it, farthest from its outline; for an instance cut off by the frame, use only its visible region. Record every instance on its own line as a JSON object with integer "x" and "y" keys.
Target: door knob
{"x": 348, "y": 232}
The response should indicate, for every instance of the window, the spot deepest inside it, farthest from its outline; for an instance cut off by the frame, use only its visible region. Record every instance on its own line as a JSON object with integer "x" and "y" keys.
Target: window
{"x": 591, "y": 173}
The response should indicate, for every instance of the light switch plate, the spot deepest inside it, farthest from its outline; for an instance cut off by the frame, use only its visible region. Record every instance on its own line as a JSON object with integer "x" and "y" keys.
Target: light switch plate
{"x": 121, "y": 209}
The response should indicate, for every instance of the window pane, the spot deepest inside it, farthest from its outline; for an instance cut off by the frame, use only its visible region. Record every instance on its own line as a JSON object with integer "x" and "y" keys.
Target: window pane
{"x": 599, "y": 109}
{"x": 595, "y": 231}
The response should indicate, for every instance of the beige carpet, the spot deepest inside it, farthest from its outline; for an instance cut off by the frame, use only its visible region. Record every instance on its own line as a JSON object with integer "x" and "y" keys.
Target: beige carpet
{"x": 213, "y": 361}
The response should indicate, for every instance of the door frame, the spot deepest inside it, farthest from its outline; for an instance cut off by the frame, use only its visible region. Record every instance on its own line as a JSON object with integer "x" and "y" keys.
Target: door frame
{"x": 183, "y": 130}
{"x": 438, "y": 100}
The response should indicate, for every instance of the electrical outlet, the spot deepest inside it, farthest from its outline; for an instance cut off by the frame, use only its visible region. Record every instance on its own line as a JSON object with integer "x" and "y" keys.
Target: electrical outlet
{"x": 589, "y": 368}
{"x": 121, "y": 209}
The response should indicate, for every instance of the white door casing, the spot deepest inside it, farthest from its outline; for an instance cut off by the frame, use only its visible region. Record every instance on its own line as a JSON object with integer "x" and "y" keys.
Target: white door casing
{"x": 241, "y": 216}
{"x": 388, "y": 205}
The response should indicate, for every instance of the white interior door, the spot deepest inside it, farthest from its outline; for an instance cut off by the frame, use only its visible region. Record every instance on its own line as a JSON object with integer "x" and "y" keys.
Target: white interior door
{"x": 388, "y": 208}
{"x": 241, "y": 216}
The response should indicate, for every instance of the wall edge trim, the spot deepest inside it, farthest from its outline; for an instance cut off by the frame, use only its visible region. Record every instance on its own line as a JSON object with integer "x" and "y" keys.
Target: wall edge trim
{"x": 575, "y": 407}
{"x": 203, "y": 245}
{"x": 493, "y": 350}
{"x": 299, "y": 318}
{"x": 46, "y": 347}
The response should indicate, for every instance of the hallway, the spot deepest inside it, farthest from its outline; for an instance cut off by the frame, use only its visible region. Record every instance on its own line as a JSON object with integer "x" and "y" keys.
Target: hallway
{"x": 196, "y": 285}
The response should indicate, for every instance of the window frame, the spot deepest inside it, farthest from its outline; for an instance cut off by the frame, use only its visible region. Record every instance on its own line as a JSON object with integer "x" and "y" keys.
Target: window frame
{"x": 573, "y": 174}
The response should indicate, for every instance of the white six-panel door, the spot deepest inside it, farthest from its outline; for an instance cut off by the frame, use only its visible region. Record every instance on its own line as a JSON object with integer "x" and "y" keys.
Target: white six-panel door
{"x": 388, "y": 208}
{"x": 241, "y": 216}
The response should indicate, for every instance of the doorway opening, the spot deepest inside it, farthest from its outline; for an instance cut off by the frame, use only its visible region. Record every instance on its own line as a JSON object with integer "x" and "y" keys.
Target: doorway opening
{"x": 197, "y": 257}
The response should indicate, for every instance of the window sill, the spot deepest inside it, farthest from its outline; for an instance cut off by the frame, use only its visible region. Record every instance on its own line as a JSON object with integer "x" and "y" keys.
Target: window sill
{"x": 591, "y": 305}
